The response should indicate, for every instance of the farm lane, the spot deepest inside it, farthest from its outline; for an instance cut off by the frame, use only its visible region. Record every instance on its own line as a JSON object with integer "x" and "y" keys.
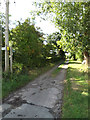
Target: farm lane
{"x": 41, "y": 98}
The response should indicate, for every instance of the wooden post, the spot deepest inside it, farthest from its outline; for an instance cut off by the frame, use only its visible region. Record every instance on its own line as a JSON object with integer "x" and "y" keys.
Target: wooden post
{"x": 0, "y": 68}
{"x": 11, "y": 53}
{"x": 7, "y": 37}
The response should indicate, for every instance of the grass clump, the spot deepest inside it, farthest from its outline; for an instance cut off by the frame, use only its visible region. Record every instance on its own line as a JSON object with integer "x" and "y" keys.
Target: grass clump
{"x": 13, "y": 82}
{"x": 75, "y": 100}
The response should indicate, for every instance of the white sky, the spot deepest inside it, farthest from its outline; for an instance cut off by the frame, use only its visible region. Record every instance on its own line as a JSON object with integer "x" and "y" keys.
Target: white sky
{"x": 21, "y": 9}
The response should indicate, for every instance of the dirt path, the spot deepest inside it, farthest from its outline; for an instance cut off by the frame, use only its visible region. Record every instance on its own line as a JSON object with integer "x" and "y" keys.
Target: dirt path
{"x": 41, "y": 98}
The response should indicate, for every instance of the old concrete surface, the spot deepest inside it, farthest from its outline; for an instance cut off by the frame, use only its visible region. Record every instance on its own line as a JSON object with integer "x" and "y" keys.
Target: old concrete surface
{"x": 0, "y": 112}
{"x": 46, "y": 97}
{"x": 40, "y": 98}
{"x": 29, "y": 111}
{"x": 5, "y": 107}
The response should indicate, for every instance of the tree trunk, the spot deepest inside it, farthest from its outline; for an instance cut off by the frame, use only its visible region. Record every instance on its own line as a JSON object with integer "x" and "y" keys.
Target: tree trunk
{"x": 89, "y": 62}
{"x": 86, "y": 57}
{"x": 74, "y": 57}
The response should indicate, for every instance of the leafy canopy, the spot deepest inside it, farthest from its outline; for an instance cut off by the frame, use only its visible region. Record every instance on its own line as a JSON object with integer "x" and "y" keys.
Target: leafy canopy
{"x": 72, "y": 19}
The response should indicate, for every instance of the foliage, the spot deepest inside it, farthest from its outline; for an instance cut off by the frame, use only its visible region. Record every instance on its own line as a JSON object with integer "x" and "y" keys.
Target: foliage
{"x": 27, "y": 44}
{"x": 17, "y": 68}
{"x": 55, "y": 39}
{"x": 72, "y": 19}
{"x": 29, "y": 47}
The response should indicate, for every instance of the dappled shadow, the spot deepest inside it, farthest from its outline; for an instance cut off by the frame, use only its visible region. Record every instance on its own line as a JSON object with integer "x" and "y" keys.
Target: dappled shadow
{"x": 76, "y": 94}
{"x": 77, "y": 79}
{"x": 77, "y": 75}
{"x": 74, "y": 62}
{"x": 78, "y": 70}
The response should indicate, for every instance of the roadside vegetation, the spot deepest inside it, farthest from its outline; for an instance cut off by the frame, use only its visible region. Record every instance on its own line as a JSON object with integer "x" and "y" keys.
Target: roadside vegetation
{"x": 75, "y": 100}
{"x": 14, "y": 81}
{"x": 31, "y": 56}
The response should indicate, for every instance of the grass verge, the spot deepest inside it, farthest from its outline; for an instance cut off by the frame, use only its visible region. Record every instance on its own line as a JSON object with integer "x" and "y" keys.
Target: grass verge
{"x": 13, "y": 82}
{"x": 75, "y": 100}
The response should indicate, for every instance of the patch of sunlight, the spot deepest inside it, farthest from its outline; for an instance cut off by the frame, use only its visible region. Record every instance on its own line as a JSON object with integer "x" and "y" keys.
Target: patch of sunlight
{"x": 60, "y": 66}
{"x": 75, "y": 66}
{"x": 65, "y": 81}
{"x": 85, "y": 93}
{"x": 48, "y": 57}
{"x": 74, "y": 79}
{"x": 82, "y": 83}
{"x": 63, "y": 66}
{"x": 75, "y": 88}
{"x": 85, "y": 89}
{"x": 80, "y": 67}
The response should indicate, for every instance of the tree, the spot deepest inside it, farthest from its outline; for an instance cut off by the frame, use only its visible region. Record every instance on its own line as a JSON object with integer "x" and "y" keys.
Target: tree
{"x": 55, "y": 39}
{"x": 27, "y": 44}
{"x": 72, "y": 18}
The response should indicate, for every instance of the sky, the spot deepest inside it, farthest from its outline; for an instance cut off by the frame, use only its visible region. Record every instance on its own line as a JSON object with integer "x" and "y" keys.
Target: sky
{"x": 21, "y": 9}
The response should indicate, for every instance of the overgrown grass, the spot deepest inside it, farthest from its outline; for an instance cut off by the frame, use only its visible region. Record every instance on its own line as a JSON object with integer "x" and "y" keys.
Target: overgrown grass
{"x": 75, "y": 100}
{"x": 15, "y": 81}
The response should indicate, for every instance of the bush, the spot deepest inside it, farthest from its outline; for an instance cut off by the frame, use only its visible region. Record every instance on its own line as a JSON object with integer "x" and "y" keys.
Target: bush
{"x": 17, "y": 67}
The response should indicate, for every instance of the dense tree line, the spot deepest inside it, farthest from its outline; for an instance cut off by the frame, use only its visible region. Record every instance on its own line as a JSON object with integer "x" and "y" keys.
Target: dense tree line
{"x": 29, "y": 50}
